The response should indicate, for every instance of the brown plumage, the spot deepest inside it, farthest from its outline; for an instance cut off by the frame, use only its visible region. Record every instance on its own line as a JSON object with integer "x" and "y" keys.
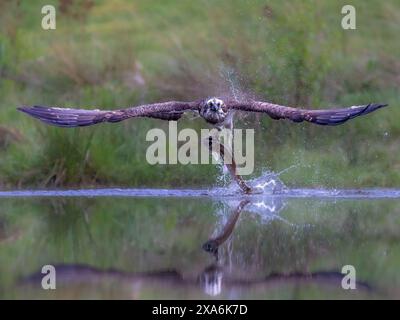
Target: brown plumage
{"x": 213, "y": 110}
{"x": 329, "y": 117}
{"x": 66, "y": 117}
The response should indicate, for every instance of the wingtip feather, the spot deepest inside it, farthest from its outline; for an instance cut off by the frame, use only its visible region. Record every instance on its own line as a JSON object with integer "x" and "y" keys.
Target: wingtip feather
{"x": 372, "y": 107}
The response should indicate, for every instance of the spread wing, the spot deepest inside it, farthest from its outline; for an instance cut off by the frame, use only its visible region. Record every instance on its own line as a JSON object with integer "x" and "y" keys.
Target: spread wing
{"x": 330, "y": 117}
{"x": 66, "y": 117}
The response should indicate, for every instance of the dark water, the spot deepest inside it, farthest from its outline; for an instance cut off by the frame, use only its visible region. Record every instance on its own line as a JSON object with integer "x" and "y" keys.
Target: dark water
{"x": 110, "y": 244}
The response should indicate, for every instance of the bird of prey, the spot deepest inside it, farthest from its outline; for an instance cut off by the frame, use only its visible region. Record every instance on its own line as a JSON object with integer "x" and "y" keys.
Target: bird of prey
{"x": 215, "y": 111}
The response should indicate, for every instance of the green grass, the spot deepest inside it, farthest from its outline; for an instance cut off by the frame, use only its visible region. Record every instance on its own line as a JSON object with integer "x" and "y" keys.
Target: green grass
{"x": 111, "y": 54}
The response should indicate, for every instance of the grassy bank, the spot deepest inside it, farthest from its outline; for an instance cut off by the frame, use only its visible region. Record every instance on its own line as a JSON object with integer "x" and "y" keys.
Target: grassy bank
{"x": 110, "y": 54}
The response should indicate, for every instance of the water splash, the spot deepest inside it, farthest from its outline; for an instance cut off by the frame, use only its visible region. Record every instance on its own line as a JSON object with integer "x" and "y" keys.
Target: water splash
{"x": 268, "y": 183}
{"x": 231, "y": 76}
{"x": 377, "y": 193}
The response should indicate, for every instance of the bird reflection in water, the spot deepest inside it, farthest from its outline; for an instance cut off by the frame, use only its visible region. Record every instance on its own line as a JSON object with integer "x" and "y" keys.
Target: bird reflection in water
{"x": 214, "y": 280}
{"x": 214, "y": 243}
{"x": 211, "y": 278}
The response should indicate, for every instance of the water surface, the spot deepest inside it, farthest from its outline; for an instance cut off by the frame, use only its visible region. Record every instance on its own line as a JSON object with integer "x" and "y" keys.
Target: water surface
{"x": 141, "y": 244}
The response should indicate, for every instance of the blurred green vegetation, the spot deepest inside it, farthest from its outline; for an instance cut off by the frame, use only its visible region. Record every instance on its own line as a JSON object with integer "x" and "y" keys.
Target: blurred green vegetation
{"x": 116, "y": 53}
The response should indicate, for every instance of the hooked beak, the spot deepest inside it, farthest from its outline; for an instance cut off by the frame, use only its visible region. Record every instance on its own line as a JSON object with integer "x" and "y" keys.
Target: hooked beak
{"x": 214, "y": 107}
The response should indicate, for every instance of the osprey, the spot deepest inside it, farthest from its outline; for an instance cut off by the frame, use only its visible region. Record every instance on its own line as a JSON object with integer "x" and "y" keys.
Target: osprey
{"x": 215, "y": 111}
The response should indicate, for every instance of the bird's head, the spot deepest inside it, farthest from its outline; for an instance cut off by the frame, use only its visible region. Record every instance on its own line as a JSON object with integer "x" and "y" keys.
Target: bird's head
{"x": 213, "y": 110}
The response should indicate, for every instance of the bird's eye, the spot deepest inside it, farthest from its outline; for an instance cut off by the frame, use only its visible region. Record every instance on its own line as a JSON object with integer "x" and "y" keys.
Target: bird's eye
{"x": 218, "y": 104}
